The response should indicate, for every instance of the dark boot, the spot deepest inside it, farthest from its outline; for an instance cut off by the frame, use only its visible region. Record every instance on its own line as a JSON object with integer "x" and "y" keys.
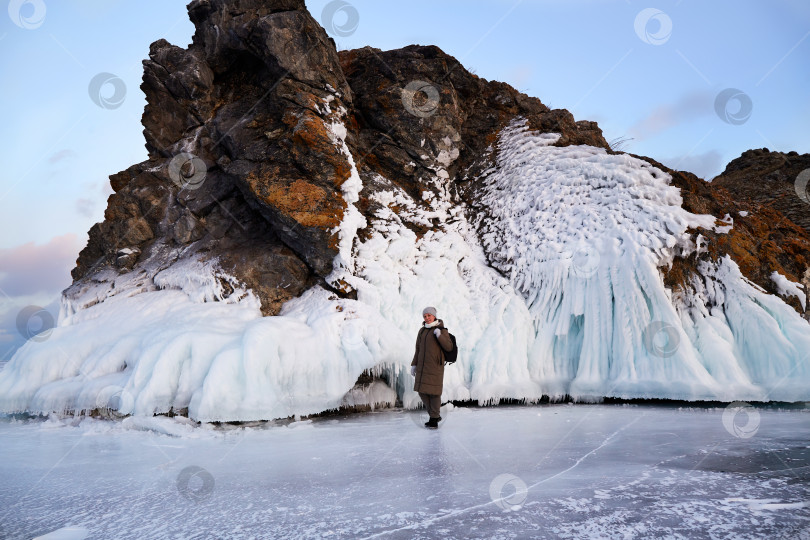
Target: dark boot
{"x": 433, "y": 423}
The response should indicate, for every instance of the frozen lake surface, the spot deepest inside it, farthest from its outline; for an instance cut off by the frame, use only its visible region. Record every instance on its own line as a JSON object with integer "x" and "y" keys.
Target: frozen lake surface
{"x": 550, "y": 471}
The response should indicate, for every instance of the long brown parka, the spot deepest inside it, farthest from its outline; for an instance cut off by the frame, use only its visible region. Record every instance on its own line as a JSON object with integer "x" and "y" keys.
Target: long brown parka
{"x": 429, "y": 360}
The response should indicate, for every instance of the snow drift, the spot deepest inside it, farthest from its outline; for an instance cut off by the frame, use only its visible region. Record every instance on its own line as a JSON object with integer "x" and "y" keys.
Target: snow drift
{"x": 563, "y": 295}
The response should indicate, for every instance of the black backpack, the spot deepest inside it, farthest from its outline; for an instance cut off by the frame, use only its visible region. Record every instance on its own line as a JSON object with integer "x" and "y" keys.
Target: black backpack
{"x": 450, "y": 356}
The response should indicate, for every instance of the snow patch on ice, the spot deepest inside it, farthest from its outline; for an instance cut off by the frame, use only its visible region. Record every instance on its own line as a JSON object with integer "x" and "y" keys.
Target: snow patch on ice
{"x": 757, "y": 505}
{"x": 173, "y": 427}
{"x": 66, "y": 533}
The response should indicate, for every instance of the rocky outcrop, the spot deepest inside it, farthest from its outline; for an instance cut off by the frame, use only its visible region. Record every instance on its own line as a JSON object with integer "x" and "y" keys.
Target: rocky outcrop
{"x": 761, "y": 178}
{"x": 245, "y": 131}
{"x": 756, "y": 201}
{"x": 243, "y": 163}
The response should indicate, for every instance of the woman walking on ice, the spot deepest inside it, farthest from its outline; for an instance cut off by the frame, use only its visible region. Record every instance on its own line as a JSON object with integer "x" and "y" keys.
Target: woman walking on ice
{"x": 428, "y": 363}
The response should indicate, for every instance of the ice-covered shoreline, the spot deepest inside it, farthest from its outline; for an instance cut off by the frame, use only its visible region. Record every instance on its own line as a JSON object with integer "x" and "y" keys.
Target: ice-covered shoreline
{"x": 562, "y": 296}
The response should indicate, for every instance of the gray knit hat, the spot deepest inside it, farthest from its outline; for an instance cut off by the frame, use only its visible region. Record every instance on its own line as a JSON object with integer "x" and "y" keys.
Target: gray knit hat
{"x": 429, "y": 309}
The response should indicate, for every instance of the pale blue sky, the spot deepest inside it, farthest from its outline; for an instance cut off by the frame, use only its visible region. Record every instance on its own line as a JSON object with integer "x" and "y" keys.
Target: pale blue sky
{"x": 58, "y": 146}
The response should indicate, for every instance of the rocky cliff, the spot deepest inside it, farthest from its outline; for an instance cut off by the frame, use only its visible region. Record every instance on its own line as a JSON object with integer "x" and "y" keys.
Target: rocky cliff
{"x": 301, "y": 205}
{"x": 243, "y": 167}
{"x": 242, "y": 164}
{"x": 771, "y": 233}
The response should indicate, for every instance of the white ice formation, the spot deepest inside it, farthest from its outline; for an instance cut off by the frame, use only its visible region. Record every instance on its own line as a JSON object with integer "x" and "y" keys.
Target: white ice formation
{"x": 563, "y": 295}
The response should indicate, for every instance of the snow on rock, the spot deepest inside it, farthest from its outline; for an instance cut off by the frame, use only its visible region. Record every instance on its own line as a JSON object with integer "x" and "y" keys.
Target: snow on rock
{"x": 398, "y": 274}
{"x": 789, "y": 288}
{"x": 202, "y": 281}
{"x": 563, "y": 295}
{"x": 350, "y": 189}
{"x": 581, "y": 234}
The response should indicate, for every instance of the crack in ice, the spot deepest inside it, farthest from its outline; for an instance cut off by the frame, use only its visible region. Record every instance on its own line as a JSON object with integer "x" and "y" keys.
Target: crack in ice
{"x": 431, "y": 521}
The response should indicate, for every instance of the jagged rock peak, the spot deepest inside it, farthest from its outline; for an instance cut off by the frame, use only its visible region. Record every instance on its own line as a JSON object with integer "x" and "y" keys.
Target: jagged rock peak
{"x": 280, "y": 33}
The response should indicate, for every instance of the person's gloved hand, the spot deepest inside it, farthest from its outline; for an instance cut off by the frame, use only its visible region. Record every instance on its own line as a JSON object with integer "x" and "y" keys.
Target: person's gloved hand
{"x": 437, "y": 333}
{"x": 413, "y": 371}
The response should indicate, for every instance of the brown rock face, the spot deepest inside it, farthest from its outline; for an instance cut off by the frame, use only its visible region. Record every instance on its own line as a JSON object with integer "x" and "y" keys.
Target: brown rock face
{"x": 241, "y": 164}
{"x": 245, "y": 133}
{"x": 757, "y": 192}
{"x": 244, "y": 165}
{"x": 760, "y": 178}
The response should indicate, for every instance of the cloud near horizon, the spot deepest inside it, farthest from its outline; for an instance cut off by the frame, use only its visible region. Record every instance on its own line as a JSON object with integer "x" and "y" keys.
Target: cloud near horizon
{"x": 663, "y": 117}
{"x": 706, "y": 165}
{"x": 62, "y": 155}
{"x": 30, "y": 269}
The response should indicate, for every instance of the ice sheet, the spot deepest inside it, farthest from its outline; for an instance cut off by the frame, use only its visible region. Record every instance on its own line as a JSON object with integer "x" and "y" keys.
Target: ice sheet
{"x": 553, "y": 471}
